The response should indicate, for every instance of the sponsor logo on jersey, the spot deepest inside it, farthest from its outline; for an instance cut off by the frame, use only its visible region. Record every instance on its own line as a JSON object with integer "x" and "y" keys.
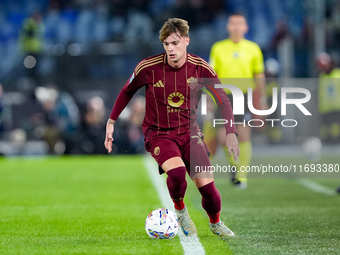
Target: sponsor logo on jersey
{"x": 175, "y": 99}
{"x": 173, "y": 109}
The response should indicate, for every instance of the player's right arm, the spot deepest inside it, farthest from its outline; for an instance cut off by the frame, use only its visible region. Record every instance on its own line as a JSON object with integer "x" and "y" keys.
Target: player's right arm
{"x": 137, "y": 80}
{"x": 109, "y": 134}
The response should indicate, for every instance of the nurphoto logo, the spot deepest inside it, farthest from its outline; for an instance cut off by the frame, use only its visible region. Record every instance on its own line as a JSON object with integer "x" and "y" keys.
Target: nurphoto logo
{"x": 238, "y": 106}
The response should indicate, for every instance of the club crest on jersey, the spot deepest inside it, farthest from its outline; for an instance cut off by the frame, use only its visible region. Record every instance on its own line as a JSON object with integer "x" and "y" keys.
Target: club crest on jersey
{"x": 132, "y": 77}
{"x": 156, "y": 151}
{"x": 192, "y": 82}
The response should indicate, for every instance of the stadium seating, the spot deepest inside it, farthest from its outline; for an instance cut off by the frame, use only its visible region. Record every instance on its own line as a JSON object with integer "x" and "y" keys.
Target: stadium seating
{"x": 97, "y": 24}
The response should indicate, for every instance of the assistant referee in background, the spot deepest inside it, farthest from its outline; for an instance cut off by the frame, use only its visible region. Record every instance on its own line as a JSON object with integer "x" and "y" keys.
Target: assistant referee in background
{"x": 237, "y": 57}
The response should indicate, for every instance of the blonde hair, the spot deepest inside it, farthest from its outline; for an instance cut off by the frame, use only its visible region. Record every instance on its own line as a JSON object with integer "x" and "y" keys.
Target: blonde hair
{"x": 174, "y": 25}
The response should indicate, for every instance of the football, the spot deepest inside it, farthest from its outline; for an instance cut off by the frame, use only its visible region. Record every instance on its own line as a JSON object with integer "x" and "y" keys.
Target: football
{"x": 312, "y": 147}
{"x": 161, "y": 224}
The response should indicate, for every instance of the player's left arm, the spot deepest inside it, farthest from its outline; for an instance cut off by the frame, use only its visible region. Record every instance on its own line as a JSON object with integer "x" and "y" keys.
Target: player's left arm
{"x": 224, "y": 105}
{"x": 227, "y": 113}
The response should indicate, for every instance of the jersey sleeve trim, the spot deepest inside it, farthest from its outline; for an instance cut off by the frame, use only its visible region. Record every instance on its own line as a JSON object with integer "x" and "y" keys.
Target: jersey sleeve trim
{"x": 201, "y": 62}
{"x": 148, "y": 62}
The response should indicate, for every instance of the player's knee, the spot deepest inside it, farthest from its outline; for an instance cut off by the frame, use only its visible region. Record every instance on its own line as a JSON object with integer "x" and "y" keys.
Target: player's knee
{"x": 176, "y": 182}
{"x": 177, "y": 175}
{"x": 209, "y": 191}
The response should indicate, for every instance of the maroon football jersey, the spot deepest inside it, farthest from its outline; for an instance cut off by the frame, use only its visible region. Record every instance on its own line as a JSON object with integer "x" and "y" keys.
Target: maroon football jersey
{"x": 172, "y": 94}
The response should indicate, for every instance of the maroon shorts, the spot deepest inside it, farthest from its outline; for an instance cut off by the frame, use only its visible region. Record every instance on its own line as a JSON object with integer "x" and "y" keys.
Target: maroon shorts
{"x": 190, "y": 147}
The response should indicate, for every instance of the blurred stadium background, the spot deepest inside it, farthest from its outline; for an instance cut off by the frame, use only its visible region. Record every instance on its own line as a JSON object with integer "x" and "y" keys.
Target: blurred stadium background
{"x": 63, "y": 63}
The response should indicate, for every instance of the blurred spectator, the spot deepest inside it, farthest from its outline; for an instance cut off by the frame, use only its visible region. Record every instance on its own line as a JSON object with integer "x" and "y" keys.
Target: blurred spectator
{"x": 139, "y": 30}
{"x": 1, "y": 111}
{"x": 61, "y": 119}
{"x": 336, "y": 14}
{"x": 198, "y": 13}
{"x": 51, "y": 21}
{"x": 195, "y": 12}
{"x": 129, "y": 136}
{"x": 281, "y": 33}
{"x": 61, "y": 3}
{"x": 141, "y": 5}
{"x": 19, "y": 137}
{"x": 31, "y": 42}
{"x": 118, "y": 12}
{"x": 336, "y": 22}
{"x": 5, "y": 113}
{"x": 119, "y": 8}
{"x": 216, "y": 7}
{"x": 135, "y": 133}
{"x": 329, "y": 98}
{"x": 84, "y": 4}
{"x": 178, "y": 9}
{"x": 272, "y": 70}
{"x": 94, "y": 127}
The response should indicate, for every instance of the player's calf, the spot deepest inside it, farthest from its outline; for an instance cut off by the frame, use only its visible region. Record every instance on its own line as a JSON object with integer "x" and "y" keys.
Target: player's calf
{"x": 177, "y": 186}
{"x": 211, "y": 201}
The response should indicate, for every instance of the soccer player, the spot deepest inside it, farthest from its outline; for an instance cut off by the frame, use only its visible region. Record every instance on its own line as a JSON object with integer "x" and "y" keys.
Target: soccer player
{"x": 236, "y": 57}
{"x": 329, "y": 98}
{"x": 171, "y": 133}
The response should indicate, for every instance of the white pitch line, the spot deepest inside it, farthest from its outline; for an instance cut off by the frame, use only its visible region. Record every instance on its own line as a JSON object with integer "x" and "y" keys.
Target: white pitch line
{"x": 191, "y": 245}
{"x": 316, "y": 187}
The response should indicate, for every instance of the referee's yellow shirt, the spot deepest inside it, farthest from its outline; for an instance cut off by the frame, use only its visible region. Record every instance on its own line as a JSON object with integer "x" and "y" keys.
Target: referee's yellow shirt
{"x": 243, "y": 59}
{"x": 329, "y": 92}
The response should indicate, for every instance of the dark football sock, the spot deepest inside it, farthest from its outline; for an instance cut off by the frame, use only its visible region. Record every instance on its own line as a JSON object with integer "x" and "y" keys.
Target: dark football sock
{"x": 177, "y": 185}
{"x": 211, "y": 201}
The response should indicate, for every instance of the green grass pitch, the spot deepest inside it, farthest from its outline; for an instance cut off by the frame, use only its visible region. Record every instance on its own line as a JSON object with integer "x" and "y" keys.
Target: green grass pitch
{"x": 98, "y": 205}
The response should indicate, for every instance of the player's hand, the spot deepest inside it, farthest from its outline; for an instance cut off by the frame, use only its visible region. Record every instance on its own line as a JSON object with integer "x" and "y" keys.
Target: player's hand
{"x": 232, "y": 145}
{"x": 109, "y": 133}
